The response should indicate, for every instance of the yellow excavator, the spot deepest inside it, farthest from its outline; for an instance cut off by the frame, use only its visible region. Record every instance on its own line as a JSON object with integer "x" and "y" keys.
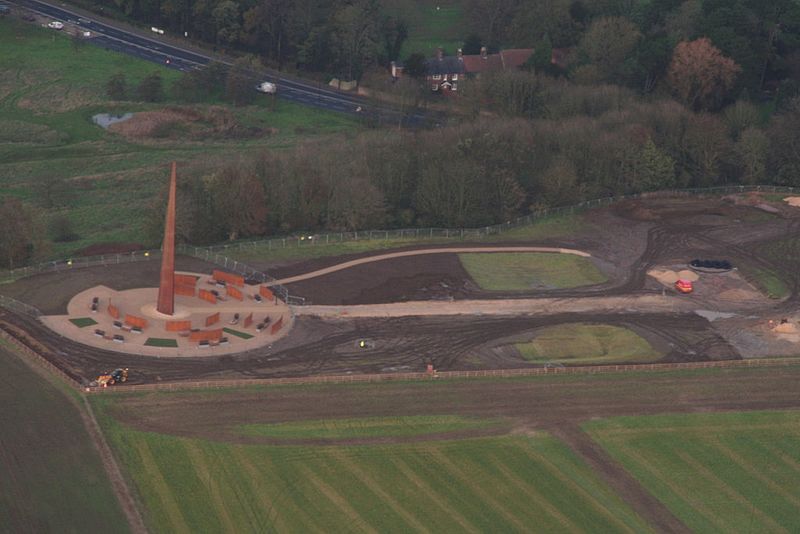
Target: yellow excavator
{"x": 114, "y": 377}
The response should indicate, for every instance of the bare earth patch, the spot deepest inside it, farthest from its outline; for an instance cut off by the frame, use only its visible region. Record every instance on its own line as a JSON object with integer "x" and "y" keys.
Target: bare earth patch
{"x": 185, "y": 122}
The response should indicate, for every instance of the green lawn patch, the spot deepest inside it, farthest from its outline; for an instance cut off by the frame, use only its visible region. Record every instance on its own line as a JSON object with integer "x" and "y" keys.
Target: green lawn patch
{"x": 498, "y": 484}
{"x": 431, "y": 25}
{"x": 161, "y": 342}
{"x": 725, "y": 472}
{"x": 52, "y": 476}
{"x": 104, "y": 183}
{"x": 367, "y": 427}
{"x": 82, "y": 322}
{"x": 517, "y": 271}
{"x": 582, "y": 344}
{"x": 231, "y": 331}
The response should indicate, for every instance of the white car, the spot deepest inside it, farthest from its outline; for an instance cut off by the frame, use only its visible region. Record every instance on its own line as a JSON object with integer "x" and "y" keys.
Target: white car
{"x": 56, "y": 25}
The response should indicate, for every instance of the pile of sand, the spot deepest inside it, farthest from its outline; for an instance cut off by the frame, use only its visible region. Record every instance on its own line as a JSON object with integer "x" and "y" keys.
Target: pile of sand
{"x": 785, "y": 328}
{"x": 793, "y": 201}
{"x": 669, "y": 277}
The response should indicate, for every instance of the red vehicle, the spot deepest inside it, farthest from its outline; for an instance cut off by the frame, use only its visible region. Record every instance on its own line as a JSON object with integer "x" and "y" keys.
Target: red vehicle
{"x": 684, "y": 286}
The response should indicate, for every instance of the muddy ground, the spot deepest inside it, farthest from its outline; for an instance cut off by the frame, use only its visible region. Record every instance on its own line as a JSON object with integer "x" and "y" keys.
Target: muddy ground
{"x": 627, "y": 239}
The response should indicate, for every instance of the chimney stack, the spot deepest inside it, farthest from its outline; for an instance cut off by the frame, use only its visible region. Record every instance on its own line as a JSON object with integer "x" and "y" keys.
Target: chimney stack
{"x": 460, "y": 54}
{"x": 484, "y": 52}
{"x": 439, "y": 53}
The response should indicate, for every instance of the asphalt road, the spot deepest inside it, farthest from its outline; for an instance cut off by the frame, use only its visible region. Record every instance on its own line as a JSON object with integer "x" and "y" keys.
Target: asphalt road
{"x": 174, "y": 57}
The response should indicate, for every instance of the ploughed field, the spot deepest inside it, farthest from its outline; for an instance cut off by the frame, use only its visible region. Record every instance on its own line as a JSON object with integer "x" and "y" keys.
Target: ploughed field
{"x": 466, "y": 455}
{"x": 52, "y": 476}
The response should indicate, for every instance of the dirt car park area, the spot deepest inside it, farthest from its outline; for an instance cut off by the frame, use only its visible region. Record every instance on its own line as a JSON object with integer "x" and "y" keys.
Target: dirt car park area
{"x": 405, "y": 312}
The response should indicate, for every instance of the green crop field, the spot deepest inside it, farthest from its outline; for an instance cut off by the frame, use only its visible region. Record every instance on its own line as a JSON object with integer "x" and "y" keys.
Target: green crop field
{"x": 499, "y": 484}
{"x": 515, "y": 271}
{"x": 101, "y": 181}
{"x": 586, "y": 344}
{"x": 51, "y": 477}
{"x": 365, "y": 427}
{"x": 733, "y": 472}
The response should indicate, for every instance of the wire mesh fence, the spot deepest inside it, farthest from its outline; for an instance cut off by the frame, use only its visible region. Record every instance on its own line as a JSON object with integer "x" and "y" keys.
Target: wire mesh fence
{"x": 216, "y": 254}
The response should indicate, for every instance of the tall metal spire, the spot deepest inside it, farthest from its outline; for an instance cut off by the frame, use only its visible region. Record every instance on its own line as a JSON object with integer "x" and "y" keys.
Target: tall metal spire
{"x": 166, "y": 289}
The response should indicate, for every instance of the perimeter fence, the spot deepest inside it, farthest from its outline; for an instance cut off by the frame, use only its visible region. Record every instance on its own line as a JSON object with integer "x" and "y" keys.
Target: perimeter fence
{"x": 310, "y": 239}
{"x": 216, "y": 254}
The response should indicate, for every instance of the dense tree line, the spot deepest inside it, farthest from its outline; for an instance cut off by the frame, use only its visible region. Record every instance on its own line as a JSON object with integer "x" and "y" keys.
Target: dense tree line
{"x": 632, "y": 43}
{"x": 593, "y": 143}
{"x": 612, "y": 41}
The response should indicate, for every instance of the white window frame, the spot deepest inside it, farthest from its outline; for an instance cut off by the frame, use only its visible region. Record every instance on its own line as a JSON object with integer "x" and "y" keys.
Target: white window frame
{"x": 437, "y": 76}
{"x": 455, "y": 77}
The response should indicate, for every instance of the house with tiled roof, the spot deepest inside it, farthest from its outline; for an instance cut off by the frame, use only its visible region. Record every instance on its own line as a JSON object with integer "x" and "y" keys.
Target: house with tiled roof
{"x": 444, "y": 73}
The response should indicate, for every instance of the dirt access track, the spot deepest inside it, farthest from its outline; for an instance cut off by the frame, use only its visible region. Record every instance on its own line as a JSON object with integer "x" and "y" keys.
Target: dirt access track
{"x": 625, "y": 241}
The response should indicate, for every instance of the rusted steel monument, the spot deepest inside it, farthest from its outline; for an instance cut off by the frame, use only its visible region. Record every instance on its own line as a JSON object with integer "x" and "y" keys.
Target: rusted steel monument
{"x": 190, "y": 314}
{"x": 166, "y": 288}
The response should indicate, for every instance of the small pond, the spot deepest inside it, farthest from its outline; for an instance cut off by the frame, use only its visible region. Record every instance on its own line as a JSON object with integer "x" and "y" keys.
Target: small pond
{"x": 107, "y": 119}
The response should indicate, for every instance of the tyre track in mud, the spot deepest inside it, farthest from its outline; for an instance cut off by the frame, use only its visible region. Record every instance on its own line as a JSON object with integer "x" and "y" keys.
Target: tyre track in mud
{"x": 400, "y": 344}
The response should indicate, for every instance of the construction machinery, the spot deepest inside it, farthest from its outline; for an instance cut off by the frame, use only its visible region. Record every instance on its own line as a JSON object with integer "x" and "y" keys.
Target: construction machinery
{"x": 117, "y": 376}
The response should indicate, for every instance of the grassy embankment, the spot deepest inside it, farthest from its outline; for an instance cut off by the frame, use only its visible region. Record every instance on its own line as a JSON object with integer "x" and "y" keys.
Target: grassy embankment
{"x": 49, "y": 90}
{"x": 514, "y": 271}
{"x": 587, "y": 344}
{"x": 485, "y": 484}
{"x": 733, "y": 472}
{"x": 296, "y": 250}
{"x": 52, "y": 477}
{"x": 779, "y": 251}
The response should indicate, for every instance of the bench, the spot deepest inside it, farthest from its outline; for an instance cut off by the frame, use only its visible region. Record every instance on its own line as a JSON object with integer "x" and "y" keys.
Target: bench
{"x": 99, "y": 333}
{"x": 136, "y": 330}
{"x": 117, "y": 325}
{"x": 119, "y": 339}
{"x": 204, "y": 344}
{"x": 223, "y": 341}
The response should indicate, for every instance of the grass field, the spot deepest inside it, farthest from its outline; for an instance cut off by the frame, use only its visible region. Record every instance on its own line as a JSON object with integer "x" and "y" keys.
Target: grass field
{"x": 521, "y": 271}
{"x": 501, "y": 484}
{"x": 431, "y": 24}
{"x": 82, "y": 322}
{"x": 52, "y": 477}
{"x": 237, "y": 333}
{"x": 586, "y": 344}
{"x": 367, "y": 427}
{"x": 734, "y": 472}
{"x": 48, "y": 93}
{"x": 545, "y": 228}
{"x": 160, "y": 342}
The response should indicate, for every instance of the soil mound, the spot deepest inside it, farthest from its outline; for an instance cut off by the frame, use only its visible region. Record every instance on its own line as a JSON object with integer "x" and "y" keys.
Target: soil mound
{"x": 669, "y": 277}
{"x": 185, "y": 123}
{"x": 793, "y": 201}
{"x": 785, "y": 328}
